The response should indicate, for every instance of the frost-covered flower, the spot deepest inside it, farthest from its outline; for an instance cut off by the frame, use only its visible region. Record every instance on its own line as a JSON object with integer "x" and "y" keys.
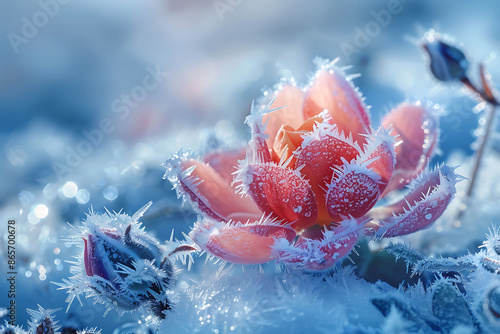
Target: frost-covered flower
{"x": 303, "y": 191}
{"x": 121, "y": 266}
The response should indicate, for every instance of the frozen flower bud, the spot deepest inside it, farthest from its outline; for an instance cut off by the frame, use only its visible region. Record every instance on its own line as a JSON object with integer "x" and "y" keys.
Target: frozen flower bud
{"x": 123, "y": 267}
{"x": 42, "y": 321}
{"x": 89, "y": 331}
{"x": 447, "y": 62}
{"x": 10, "y": 329}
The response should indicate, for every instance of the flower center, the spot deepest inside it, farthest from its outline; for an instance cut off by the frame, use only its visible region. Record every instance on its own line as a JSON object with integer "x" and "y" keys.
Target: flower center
{"x": 288, "y": 140}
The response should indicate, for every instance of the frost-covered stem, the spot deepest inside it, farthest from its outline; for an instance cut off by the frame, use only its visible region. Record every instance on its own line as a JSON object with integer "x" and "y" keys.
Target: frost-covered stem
{"x": 483, "y": 137}
{"x": 490, "y": 116}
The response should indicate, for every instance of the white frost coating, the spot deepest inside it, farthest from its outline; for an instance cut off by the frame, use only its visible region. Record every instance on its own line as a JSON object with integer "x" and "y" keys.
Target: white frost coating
{"x": 492, "y": 243}
{"x": 138, "y": 215}
{"x": 206, "y": 227}
{"x": 274, "y": 302}
{"x": 243, "y": 178}
{"x": 183, "y": 178}
{"x": 446, "y": 176}
{"x": 350, "y": 226}
{"x": 325, "y": 114}
{"x": 377, "y": 138}
{"x": 269, "y": 95}
{"x": 447, "y": 181}
{"x": 323, "y": 130}
{"x": 175, "y": 174}
{"x": 144, "y": 272}
{"x": 330, "y": 66}
{"x": 295, "y": 256}
{"x": 173, "y": 165}
{"x": 430, "y": 126}
{"x": 39, "y": 316}
{"x": 255, "y": 119}
{"x": 356, "y": 167}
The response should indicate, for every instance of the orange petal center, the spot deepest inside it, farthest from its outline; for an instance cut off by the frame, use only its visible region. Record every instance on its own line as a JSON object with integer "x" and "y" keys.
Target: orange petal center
{"x": 288, "y": 140}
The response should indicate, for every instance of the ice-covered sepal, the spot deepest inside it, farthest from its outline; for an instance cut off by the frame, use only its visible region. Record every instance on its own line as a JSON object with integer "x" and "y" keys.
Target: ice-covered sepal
{"x": 235, "y": 242}
{"x": 121, "y": 266}
{"x": 320, "y": 247}
{"x": 430, "y": 193}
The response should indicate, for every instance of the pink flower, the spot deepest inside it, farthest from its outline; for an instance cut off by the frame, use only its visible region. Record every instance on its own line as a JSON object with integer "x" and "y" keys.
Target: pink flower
{"x": 303, "y": 191}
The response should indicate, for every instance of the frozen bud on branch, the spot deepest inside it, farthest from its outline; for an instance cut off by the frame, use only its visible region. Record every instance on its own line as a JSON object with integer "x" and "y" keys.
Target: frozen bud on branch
{"x": 41, "y": 322}
{"x": 447, "y": 62}
{"x": 123, "y": 267}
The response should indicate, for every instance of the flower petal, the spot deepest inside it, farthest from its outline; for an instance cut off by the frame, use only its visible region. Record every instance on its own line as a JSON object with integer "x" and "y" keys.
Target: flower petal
{"x": 418, "y": 129}
{"x": 430, "y": 195}
{"x": 379, "y": 155}
{"x": 321, "y": 151}
{"x": 86, "y": 258}
{"x": 207, "y": 191}
{"x": 225, "y": 162}
{"x": 353, "y": 191}
{"x": 279, "y": 191}
{"x": 240, "y": 243}
{"x": 258, "y": 147}
{"x": 318, "y": 248}
{"x": 331, "y": 90}
{"x": 287, "y": 110}
{"x": 99, "y": 252}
